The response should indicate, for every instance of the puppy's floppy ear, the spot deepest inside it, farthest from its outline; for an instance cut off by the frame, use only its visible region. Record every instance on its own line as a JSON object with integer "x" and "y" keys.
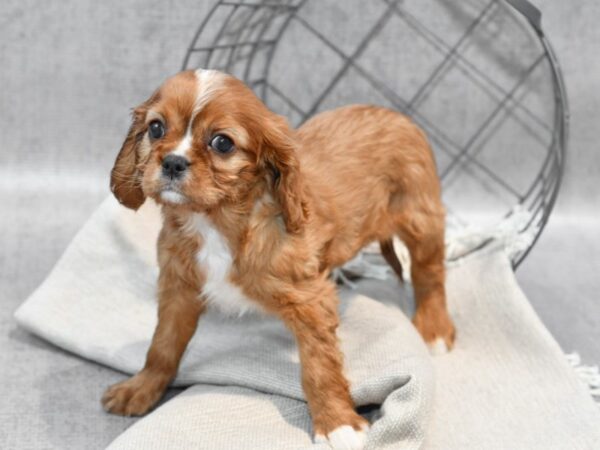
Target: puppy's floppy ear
{"x": 125, "y": 181}
{"x": 287, "y": 181}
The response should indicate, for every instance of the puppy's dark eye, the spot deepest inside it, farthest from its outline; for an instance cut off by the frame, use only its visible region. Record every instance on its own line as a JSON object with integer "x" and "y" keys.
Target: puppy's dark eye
{"x": 221, "y": 144}
{"x": 156, "y": 129}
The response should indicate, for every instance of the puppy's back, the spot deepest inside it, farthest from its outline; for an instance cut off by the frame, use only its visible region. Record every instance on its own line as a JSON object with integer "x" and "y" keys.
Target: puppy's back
{"x": 361, "y": 151}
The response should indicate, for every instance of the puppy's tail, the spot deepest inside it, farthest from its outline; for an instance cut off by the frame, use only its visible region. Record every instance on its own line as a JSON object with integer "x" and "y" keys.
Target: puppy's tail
{"x": 388, "y": 252}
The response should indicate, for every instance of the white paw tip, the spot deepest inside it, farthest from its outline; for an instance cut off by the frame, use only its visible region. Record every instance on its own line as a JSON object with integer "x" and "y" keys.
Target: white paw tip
{"x": 344, "y": 438}
{"x": 320, "y": 439}
{"x": 438, "y": 347}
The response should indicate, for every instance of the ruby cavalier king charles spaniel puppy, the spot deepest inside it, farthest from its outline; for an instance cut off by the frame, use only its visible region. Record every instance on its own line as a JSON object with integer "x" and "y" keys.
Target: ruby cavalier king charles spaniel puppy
{"x": 256, "y": 215}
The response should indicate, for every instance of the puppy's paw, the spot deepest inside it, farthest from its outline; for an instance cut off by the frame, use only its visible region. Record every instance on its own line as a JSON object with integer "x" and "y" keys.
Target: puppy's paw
{"x": 345, "y": 437}
{"x": 438, "y": 347}
{"x": 436, "y": 328}
{"x": 132, "y": 397}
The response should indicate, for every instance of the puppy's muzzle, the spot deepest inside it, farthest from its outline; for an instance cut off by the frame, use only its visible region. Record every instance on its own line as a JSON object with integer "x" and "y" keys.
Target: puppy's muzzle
{"x": 174, "y": 166}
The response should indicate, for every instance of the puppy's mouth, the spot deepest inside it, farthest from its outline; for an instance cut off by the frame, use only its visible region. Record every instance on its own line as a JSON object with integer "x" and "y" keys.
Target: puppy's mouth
{"x": 170, "y": 193}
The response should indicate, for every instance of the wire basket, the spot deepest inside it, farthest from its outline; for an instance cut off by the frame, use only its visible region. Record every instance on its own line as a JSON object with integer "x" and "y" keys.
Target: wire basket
{"x": 479, "y": 76}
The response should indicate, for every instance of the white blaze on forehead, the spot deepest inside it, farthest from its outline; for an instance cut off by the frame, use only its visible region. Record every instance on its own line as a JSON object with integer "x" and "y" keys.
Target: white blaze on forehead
{"x": 207, "y": 82}
{"x": 184, "y": 145}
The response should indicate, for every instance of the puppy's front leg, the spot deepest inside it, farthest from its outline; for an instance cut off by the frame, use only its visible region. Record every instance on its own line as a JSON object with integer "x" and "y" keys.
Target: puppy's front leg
{"x": 179, "y": 310}
{"x": 312, "y": 317}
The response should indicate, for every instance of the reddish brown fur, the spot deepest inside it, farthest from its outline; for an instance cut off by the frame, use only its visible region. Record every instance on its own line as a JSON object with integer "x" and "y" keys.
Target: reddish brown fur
{"x": 292, "y": 205}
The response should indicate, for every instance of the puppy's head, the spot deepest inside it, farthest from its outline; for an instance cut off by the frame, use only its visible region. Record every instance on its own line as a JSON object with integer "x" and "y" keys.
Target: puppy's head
{"x": 204, "y": 140}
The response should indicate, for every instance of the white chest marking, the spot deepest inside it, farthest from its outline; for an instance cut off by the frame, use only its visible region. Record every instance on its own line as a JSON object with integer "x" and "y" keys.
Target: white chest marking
{"x": 215, "y": 261}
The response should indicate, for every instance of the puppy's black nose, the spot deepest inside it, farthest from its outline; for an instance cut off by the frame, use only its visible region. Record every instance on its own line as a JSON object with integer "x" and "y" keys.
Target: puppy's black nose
{"x": 174, "y": 166}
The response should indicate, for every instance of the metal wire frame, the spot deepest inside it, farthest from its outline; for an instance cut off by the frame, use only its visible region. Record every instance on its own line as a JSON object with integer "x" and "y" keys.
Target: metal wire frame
{"x": 239, "y": 40}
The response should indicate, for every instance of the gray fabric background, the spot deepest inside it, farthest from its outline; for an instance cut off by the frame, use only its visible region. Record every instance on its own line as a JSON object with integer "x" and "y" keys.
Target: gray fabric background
{"x": 70, "y": 71}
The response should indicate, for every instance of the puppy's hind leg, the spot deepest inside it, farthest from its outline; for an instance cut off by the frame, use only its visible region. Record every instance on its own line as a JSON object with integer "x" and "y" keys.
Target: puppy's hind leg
{"x": 423, "y": 234}
{"x": 389, "y": 254}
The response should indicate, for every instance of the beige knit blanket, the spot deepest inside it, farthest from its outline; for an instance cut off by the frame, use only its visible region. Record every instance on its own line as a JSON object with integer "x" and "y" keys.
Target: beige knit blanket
{"x": 506, "y": 385}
